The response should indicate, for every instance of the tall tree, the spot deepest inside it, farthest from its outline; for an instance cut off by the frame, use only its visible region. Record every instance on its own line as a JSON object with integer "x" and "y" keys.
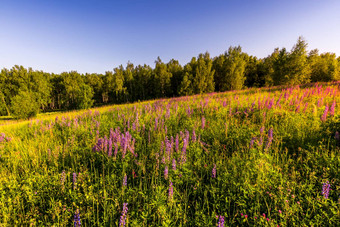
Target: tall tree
{"x": 203, "y": 81}
{"x": 162, "y": 79}
{"x": 292, "y": 68}
{"x": 324, "y": 67}
{"x": 232, "y": 70}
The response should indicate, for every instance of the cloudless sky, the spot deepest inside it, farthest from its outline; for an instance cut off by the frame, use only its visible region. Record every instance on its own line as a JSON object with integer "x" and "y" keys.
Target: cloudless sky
{"x": 97, "y": 35}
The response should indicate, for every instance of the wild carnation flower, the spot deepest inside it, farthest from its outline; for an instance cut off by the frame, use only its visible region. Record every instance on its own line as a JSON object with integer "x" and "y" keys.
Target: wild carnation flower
{"x": 325, "y": 190}
{"x": 122, "y": 220}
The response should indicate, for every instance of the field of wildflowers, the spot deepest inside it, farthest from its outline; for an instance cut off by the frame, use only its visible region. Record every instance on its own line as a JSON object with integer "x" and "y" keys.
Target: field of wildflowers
{"x": 265, "y": 157}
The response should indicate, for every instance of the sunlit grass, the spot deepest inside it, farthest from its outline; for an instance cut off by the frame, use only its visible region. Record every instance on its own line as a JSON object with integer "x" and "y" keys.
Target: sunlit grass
{"x": 253, "y": 157}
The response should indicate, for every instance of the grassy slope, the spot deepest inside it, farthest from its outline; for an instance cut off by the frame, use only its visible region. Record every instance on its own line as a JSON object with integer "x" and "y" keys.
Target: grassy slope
{"x": 280, "y": 178}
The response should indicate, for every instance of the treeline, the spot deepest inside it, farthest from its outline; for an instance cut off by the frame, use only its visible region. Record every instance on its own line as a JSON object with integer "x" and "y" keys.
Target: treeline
{"x": 25, "y": 92}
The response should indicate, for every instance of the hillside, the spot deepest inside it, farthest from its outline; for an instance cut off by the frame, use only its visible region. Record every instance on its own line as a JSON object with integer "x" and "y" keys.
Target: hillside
{"x": 264, "y": 157}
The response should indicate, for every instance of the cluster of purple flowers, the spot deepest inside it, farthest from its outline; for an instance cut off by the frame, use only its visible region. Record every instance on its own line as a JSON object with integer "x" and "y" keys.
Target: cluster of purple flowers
{"x": 74, "y": 181}
{"x": 252, "y": 142}
{"x": 77, "y": 222}
{"x": 63, "y": 178}
{"x": 171, "y": 191}
{"x": 325, "y": 190}
{"x": 122, "y": 220}
{"x": 166, "y": 172}
{"x": 332, "y": 110}
{"x": 220, "y": 221}
{"x": 116, "y": 139}
{"x": 324, "y": 115}
{"x": 125, "y": 181}
{"x": 270, "y": 138}
{"x": 214, "y": 172}
{"x": 3, "y": 138}
{"x": 173, "y": 164}
{"x": 203, "y": 122}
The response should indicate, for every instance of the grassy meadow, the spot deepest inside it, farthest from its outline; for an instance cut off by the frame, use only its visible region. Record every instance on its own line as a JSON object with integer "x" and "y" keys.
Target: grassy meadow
{"x": 263, "y": 157}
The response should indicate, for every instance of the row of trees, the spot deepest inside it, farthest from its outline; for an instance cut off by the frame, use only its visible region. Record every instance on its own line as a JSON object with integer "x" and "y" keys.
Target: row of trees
{"x": 24, "y": 92}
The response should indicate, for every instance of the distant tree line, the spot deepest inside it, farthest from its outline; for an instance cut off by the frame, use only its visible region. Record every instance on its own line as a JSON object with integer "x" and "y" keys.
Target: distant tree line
{"x": 25, "y": 92}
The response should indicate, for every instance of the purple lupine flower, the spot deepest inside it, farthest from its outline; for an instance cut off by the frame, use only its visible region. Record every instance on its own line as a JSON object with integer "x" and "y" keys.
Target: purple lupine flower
{"x": 2, "y": 137}
{"x": 184, "y": 149}
{"x": 177, "y": 143}
{"x": 270, "y": 134}
{"x": 221, "y": 221}
{"x": 74, "y": 181}
{"x": 306, "y": 106}
{"x": 324, "y": 115}
{"x": 156, "y": 123}
{"x": 262, "y": 129}
{"x": 252, "y": 142}
{"x": 171, "y": 191}
{"x": 122, "y": 220}
{"x": 271, "y": 104}
{"x": 105, "y": 144}
{"x": 77, "y": 222}
{"x": 203, "y": 122}
{"x": 63, "y": 178}
{"x": 125, "y": 180}
{"x": 193, "y": 135}
{"x": 325, "y": 190}
{"x": 320, "y": 102}
{"x": 214, "y": 172}
{"x": 337, "y": 136}
{"x": 166, "y": 171}
{"x": 173, "y": 164}
{"x": 99, "y": 145}
{"x": 297, "y": 110}
{"x": 109, "y": 152}
{"x": 332, "y": 110}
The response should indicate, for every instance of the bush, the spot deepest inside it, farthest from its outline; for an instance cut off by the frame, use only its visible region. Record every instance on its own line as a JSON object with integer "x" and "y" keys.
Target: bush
{"x": 24, "y": 105}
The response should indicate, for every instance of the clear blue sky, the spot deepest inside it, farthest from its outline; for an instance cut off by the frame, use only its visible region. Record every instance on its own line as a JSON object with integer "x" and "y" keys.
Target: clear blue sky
{"x": 96, "y": 36}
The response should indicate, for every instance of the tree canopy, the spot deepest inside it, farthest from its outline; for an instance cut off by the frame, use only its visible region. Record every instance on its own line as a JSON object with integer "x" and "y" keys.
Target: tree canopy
{"x": 232, "y": 70}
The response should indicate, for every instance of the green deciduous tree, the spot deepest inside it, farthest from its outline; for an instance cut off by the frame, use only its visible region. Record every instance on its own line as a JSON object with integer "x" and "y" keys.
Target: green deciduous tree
{"x": 230, "y": 69}
{"x": 25, "y": 105}
{"x": 292, "y": 68}
{"x": 203, "y": 76}
{"x": 162, "y": 79}
{"x": 324, "y": 67}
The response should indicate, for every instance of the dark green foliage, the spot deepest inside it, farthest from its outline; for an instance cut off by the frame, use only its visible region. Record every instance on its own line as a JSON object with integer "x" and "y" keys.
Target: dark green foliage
{"x": 324, "y": 67}
{"x": 230, "y": 69}
{"x": 25, "y": 105}
{"x": 233, "y": 70}
{"x": 292, "y": 68}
